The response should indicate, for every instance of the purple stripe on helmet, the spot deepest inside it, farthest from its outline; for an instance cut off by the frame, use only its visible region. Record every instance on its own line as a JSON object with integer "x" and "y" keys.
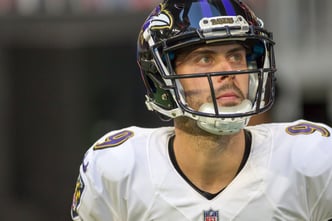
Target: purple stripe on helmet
{"x": 228, "y": 7}
{"x": 206, "y": 10}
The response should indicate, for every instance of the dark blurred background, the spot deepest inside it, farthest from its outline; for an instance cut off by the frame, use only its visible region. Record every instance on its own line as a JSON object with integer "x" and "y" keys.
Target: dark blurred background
{"x": 68, "y": 75}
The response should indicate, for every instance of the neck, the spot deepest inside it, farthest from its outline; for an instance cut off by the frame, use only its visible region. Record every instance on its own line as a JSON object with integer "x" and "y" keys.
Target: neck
{"x": 209, "y": 161}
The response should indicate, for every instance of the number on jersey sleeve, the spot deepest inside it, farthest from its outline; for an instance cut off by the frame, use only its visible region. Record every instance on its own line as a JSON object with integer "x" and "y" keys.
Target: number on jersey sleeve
{"x": 307, "y": 128}
{"x": 114, "y": 140}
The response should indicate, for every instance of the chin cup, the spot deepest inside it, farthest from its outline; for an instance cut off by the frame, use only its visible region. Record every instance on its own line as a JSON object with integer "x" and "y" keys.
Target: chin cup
{"x": 224, "y": 126}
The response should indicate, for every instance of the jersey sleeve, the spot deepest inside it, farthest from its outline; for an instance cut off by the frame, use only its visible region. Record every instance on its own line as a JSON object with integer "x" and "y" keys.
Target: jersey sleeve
{"x": 100, "y": 187}
{"x": 311, "y": 157}
{"x": 89, "y": 199}
{"x": 323, "y": 206}
{"x": 88, "y": 204}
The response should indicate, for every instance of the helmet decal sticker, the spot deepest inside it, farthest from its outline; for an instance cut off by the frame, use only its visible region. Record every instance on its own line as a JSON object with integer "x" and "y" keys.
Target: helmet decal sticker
{"x": 161, "y": 19}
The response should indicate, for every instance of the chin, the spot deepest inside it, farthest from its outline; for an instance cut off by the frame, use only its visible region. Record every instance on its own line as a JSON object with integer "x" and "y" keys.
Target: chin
{"x": 229, "y": 103}
{"x": 190, "y": 126}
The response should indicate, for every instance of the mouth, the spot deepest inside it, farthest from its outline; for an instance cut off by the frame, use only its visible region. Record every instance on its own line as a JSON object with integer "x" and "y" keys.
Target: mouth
{"x": 228, "y": 98}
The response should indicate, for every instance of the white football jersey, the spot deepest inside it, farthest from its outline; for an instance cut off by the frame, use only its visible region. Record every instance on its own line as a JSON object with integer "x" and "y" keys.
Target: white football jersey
{"x": 128, "y": 176}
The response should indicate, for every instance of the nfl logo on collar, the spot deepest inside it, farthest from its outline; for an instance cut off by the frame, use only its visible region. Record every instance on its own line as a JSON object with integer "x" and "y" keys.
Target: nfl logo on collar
{"x": 211, "y": 215}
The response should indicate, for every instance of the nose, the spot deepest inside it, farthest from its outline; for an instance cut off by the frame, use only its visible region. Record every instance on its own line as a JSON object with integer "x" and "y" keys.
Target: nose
{"x": 224, "y": 67}
{"x": 223, "y": 78}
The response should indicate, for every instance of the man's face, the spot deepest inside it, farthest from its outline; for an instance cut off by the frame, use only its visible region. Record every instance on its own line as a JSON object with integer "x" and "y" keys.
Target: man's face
{"x": 229, "y": 90}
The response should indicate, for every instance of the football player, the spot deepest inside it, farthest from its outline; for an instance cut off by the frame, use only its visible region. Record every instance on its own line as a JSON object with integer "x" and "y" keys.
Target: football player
{"x": 208, "y": 65}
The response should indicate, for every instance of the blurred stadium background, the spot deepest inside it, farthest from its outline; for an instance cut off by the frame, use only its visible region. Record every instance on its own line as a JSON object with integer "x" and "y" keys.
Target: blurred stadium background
{"x": 68, "y": 75}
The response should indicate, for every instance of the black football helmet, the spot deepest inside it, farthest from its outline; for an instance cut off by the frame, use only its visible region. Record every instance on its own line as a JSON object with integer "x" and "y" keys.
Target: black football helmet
{"x": 180, "y": 24}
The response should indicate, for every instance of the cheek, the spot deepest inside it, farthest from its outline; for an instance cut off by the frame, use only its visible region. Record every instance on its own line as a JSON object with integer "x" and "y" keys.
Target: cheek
{"x": 192, "y": 83}
{"x": 195, "y": 84}
{"x": 244, "y": 84}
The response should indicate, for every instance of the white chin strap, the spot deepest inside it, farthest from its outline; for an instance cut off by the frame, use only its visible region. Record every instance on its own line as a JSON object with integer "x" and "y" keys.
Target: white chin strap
{"x": 224, "y": 126}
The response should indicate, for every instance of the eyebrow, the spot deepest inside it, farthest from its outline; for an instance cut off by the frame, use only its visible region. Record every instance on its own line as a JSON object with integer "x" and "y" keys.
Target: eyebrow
{"x": 209, "y": 49}
{"x": 238, "y": 48}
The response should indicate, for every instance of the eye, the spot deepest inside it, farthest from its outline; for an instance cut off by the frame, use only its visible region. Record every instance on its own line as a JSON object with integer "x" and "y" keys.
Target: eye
{"x": 237, "y": 58}
{"x": 204, "y": 59}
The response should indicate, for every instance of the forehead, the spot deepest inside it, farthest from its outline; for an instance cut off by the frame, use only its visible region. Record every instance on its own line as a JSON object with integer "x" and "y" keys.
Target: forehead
{"x": 216, "y": 47}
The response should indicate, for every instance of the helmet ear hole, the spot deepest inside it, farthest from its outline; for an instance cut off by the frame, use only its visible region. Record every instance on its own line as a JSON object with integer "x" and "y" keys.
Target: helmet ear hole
{"x": 157, "y": 93}
{"x": 164, "y": 99}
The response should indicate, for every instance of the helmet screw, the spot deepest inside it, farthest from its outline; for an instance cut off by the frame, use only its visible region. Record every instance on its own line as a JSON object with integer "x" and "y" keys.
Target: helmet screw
{"x": 164, "y": 97}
